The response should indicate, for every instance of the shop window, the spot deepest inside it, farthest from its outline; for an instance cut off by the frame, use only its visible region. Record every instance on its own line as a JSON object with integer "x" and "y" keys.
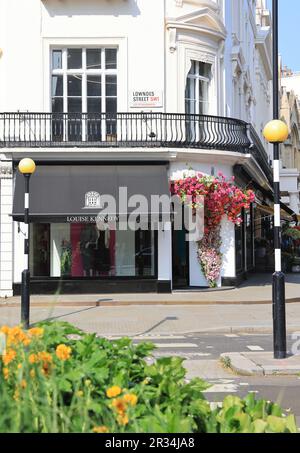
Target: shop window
{"x": 82, "y": 251}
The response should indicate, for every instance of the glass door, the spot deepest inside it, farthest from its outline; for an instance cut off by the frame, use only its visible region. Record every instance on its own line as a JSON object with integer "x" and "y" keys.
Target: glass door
{"x": 180, "y": 257}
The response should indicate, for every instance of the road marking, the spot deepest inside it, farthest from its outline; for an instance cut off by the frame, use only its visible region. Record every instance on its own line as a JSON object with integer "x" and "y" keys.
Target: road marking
{"x": 255, "y": 348}
{"x": 158, "y": 337}
{"x": 232, "y": 335}
{"x": 221, "y": 388}
{"x": 209, "y": 347}
{"x": 184, "y": 355}
{"x": 147, "y": 337}
{"x": 176, "y": 345}
{"x": 244, "y": 384}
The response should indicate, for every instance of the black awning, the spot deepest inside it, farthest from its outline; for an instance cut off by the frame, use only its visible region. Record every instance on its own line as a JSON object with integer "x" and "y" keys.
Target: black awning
{"x": 58, "y": 191}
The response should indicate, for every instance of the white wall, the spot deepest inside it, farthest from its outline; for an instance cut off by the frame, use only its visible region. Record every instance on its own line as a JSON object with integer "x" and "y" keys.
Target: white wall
{"x": 177, "y": 170}
{"x": 6, "y": 229}
{"x": 136, "y": 26}
{"x": 165, "y": 254}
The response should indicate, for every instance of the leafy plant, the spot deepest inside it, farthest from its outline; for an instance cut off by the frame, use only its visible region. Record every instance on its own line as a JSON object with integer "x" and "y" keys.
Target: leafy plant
{"x": 55, "y": 378}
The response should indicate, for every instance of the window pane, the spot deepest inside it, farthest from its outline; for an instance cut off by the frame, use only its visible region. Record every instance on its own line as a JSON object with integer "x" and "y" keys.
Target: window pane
{"x": 111, "y": 58}
{"x": 40, "y": 250}
{"x": 94, "y": 105}
{"x": 74, "y": 105}
{"x": 74, "y": 85}
{"x": 74, "y": 58}
{"x": 111, "y": 105}
{"x": 193, "y": 68}
{"x": 57, "y": 59}
{"x": 57, "y": 85}
{"x": 204, "y": 69}
{"x": 111, "y": 85}
{"x": 93, "y": 86}
{"x": 57, "y": 105}
{"x": 93, "y": 58}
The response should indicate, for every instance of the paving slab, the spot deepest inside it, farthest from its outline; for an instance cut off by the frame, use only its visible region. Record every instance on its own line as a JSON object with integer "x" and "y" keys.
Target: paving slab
{"x": 257, "y": 290}
{"x": 161, "y": 320}
{"x": 262, "y": 364}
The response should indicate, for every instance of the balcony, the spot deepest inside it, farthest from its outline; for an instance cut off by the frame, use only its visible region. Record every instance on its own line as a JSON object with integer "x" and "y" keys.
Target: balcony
{"x": 130, "y": 130}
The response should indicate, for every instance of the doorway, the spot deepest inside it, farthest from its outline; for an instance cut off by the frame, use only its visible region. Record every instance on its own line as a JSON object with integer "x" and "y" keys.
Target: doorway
{"x": 180, "y": 259}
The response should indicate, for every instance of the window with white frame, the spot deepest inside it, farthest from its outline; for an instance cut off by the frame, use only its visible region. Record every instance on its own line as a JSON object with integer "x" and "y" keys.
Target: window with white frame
{"x": 197, "y": 88}
{"x": 84, "y": 81}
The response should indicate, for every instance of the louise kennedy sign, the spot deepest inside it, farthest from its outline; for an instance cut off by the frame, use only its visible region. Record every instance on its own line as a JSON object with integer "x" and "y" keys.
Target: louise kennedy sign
{"x": 146, "y": 98}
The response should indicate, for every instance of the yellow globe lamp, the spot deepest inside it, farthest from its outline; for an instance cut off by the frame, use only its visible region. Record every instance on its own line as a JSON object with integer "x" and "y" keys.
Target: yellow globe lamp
{"x": 27, "y": 166}
{"x": 276, "y": 131}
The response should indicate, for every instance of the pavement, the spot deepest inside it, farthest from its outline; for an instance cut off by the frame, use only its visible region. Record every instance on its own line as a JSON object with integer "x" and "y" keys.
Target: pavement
{"x": 257, "y": 290}
{"x": 262, "y": 364}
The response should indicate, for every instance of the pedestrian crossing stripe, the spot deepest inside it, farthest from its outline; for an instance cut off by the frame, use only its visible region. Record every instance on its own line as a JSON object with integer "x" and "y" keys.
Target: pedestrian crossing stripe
{"x": 255, "y": 348}
{"x": 176, "y": 345}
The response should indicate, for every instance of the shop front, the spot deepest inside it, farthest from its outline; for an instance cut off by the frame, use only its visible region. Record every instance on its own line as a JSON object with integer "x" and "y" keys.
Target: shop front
{"x": 86, "y": 233}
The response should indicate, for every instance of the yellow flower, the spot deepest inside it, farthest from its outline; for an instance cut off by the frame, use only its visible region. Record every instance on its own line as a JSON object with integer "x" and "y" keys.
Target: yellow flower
{"x": 23, "y": 384}
{"x": 120, "y": 405}
{"x": 100, "y": 429}
{"x": 8, "y": 356}
{"x": 45, "y": 357}
{"x": 16, "y": 335}
{"x": 26, "y": 341}
{"x": 131, "y": 399}
{"x": 113, "y": 391}
{"x": 20, "y": 366}
{"x": 33, "y": 358}
{"x": 32, "y": 374}
{"x": 36, "y": 332}
{"x": 5, "y": 330}
{"x": 63, "y": 352}
{"x": 6, "y": 373}
{"x": 123, "y": 420}
{"x": 79, "y": 393}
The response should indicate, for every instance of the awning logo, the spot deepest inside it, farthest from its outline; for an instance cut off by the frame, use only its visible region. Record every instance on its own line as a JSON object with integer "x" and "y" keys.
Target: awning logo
{"x": 92, "y": 200}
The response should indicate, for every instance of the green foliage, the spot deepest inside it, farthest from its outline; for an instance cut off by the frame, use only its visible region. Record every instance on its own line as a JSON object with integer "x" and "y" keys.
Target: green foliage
{"x": 251, "y": 416}
{"x": 90, "y": 383}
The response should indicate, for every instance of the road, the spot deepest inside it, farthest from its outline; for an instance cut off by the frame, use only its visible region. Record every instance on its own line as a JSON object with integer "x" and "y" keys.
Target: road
{"x": 202, "y": 352}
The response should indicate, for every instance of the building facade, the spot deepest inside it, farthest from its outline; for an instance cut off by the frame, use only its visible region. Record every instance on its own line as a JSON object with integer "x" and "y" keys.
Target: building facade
{"x": 128, "y": 93}
{"x": 290, "y": 150}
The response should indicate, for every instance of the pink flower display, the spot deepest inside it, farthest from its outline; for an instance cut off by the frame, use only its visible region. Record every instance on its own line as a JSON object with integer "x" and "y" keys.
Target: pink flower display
{"x": 222, "y": 198}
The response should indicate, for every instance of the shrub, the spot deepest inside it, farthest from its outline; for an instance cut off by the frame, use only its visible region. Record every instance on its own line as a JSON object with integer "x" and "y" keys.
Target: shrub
{"x": 55, "y": 378}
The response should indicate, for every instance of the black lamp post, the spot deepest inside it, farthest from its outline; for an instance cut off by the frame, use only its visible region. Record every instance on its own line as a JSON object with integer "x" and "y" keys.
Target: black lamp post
{"x": 277, "y": 132}
{"x": 27, "y": 168}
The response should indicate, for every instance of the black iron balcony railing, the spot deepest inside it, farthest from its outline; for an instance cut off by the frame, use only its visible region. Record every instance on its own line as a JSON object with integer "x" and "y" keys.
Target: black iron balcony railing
{"x": 259, "y": 153}
{"x": 122, "y": 130}
{"x": 131, "y": 130}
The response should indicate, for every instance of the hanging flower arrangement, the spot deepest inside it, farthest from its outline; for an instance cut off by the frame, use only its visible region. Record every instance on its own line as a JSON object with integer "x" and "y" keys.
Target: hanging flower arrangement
{"x": 221, "y": 198}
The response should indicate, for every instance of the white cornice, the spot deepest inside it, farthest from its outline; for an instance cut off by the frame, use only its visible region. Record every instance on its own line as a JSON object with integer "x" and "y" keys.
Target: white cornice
{"x": 197, "y": 22}
{"x": 261, "y": 45}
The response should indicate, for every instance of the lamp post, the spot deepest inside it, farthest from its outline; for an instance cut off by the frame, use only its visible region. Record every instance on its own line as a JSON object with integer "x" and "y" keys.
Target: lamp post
{"x": 27, "y": 168}
{"x": 277, "y": 132}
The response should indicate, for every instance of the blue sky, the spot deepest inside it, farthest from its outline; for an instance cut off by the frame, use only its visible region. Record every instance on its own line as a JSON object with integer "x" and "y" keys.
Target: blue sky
{"x": 289, "y": 17}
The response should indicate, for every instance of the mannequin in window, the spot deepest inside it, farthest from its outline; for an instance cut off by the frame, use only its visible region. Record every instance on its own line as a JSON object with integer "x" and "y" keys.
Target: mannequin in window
{"x": 88, "y": 244}
{"x": 102, "y": 256}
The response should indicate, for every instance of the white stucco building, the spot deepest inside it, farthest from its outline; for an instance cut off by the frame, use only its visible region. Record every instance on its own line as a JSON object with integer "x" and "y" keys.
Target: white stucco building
{"x": 290, "y": 150}
{"x": 130, "y": 92}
